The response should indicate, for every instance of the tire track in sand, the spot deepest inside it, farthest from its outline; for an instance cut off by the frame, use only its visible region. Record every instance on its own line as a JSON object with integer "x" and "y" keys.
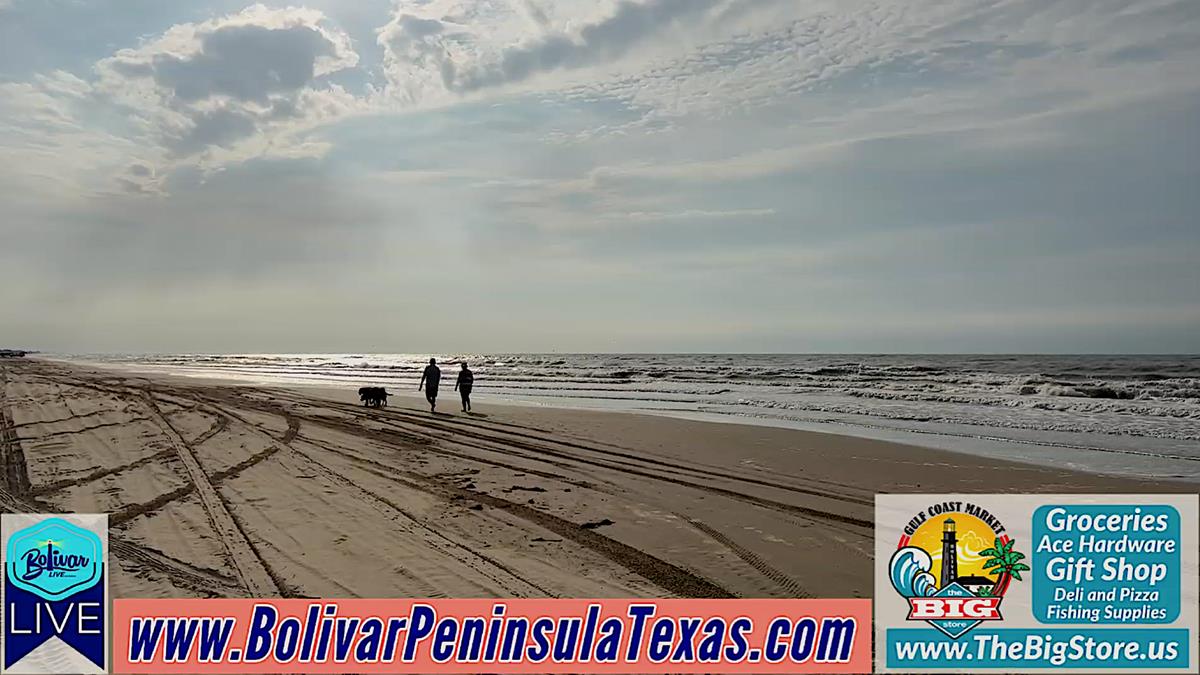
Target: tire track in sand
{"x": 666, "y": 575}
{"x": 201, "y": 580}
{"x": 250, "y": 567}
{"x": 16, "y": 471}
{"x": 621, "y": 459}
{"x": 507, "y": 446}
{"x": 570, "y": 531}
{"x": 50, "y": 488}
{"x": 792, "y": 587}
{"x": 429, "y": 537}
{"x": 421, "y": 427}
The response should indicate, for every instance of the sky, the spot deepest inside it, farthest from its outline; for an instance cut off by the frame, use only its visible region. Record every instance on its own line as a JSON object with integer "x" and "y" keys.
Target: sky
{"x": 600, "y": 175}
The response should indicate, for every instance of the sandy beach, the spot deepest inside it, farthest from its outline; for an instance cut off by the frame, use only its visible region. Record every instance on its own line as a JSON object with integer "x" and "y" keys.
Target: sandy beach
{"x": 223, "y": 490}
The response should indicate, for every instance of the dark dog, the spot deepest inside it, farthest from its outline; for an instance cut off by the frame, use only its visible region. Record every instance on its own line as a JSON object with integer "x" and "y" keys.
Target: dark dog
{"x": 373, "y": 396}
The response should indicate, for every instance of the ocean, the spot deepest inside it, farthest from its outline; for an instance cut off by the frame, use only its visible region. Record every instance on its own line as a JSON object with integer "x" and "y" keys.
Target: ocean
{"x": 1134, "y": 415}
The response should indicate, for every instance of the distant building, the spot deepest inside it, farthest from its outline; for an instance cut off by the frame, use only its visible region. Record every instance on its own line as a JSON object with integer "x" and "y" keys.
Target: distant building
{"x": 975, "y": 583}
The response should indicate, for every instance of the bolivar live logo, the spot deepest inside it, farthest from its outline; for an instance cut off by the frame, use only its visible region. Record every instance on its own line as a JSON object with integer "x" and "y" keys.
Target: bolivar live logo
{"x": 944, "y": 562}
{"x": 54, "y": 594}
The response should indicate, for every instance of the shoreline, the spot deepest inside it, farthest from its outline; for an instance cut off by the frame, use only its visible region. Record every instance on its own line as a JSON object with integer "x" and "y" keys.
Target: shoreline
{"x": 331, "y": 499}
{"x": 1112, "y": 462}
{"x": 593, "y": 419}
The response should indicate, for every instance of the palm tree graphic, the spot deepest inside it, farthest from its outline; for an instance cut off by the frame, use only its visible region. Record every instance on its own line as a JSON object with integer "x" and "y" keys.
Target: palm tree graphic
{"x": 1005, "y": 562}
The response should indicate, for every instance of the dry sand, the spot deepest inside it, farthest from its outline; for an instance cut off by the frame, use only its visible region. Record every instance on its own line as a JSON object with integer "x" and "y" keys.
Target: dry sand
{"x": 223, "y": 490}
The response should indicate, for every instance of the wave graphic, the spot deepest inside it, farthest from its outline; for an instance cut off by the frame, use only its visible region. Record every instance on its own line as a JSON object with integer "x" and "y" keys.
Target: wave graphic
{"x": 909, "y": 572}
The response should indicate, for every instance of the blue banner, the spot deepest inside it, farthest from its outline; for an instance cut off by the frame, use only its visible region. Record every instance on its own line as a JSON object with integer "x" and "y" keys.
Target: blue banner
{"x": 79, "y": 621}
{"x": 1019, "y": 649}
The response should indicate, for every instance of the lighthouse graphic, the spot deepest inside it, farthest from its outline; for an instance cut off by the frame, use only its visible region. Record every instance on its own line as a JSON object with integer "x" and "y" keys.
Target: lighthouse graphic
{"x": 949, "y": 553}
{"x": 952, "y": 591}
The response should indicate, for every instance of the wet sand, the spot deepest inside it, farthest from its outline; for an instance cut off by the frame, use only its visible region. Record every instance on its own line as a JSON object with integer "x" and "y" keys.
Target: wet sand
{"x": 216, "y": 489}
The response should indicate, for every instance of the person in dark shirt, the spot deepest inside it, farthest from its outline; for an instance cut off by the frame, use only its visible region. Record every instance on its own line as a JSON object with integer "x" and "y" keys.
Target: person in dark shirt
{"x": 466, "y": 379}
{"x": 430, "y": 380}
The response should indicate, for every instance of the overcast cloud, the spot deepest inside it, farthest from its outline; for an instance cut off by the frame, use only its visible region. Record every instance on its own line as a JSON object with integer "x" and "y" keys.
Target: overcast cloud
{"x": 612, "y": 175}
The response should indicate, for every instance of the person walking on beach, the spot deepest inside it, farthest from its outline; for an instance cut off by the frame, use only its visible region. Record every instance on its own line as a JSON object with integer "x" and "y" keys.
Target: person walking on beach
{"x": 466, "y": 379}
{"x": 430, "y": 380}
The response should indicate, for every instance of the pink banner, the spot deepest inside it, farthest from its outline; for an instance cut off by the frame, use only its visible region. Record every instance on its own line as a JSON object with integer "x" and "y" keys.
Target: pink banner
{"x": 497, "y": 636}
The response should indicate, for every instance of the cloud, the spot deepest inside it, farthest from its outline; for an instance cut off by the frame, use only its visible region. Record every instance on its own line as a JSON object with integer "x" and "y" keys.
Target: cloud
{"x": 746, "y": 166}
{"x": 421, "y": 51}
{"x": 141, "y": 178}
{"x": 693, "y": 214}
{"x": 607, "y": 40}
{"x": 419, "y": 55}
{"x": 630, "y": 157}
{"x": 204, "y": 88}
{"x": 979, "y": 61}
{"x": 248, "y": 63}
{"x": 50, "y": 153}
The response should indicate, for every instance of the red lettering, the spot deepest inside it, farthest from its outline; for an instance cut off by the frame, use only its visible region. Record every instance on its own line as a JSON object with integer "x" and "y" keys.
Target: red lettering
{"x": 928, "y": 609}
